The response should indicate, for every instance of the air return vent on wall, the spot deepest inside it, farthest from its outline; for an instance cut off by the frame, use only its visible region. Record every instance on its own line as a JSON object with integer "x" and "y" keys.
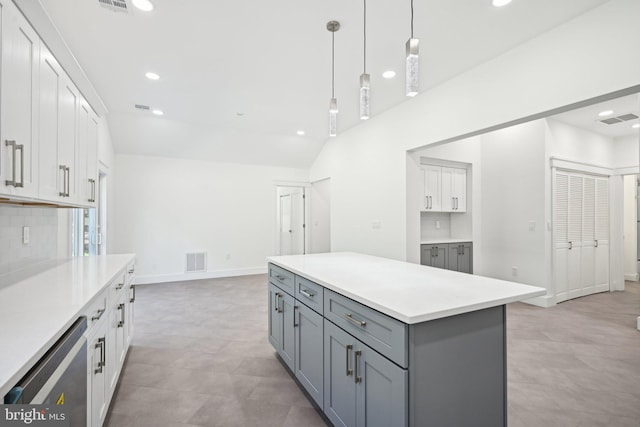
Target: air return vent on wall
{"x": 196, "y": 261}
{"x": 115, "y": 5}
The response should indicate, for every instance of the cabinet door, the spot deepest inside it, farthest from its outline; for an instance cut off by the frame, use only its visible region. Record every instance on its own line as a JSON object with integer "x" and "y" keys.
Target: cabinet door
{"x": 116, "y": 339}
{"x": 432, "y": 188}
{"x": 130, "y": 300}
{"x": 448, "y": 202}
{"x": 288, "y": 349}
{"x": 339, "y": 381}
{"x": 69, "y": 100}
{"x": 459, "y": 189}
{"x": 18, "y": 104}
{"x": 460, "y": 257}
{"x": 434, "y": 255}
{"x": 382, "y": 390}
{"x": 87, "y": 154}
{"x": 275, "y": 318}
{"x": 308, "y": 356}
{"x": 97, "y": 378}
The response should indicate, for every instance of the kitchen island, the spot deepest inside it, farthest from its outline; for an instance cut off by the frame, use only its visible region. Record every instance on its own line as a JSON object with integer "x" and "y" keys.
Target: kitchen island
{"x": 379, "y": 342}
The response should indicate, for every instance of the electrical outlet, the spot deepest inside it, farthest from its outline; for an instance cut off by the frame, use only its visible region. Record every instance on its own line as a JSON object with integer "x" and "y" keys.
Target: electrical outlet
{"x": 437, "y": 225}
{"x": 514, "y": 271}
{"x": 25, "y": 235}
{"x": 532, "y": 226}
{"x": 227, "y": 257}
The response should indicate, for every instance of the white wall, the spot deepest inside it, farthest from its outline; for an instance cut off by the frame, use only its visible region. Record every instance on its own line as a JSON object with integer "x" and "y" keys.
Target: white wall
{"x": 579, "y": 145}
{"x": 165, "y": 208}
{"x": 513, "y": 204}
{"x": 368, "y": 165}
{"x": 625, "y": 151}
{"x": 321, "y": 216}
{"x": 630, "y": 228}
{"x": 106, "y": 165}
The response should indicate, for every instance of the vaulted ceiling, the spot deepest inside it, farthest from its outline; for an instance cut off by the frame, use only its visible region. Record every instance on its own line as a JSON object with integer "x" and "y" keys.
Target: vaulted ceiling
{"x": 238, "y": 79}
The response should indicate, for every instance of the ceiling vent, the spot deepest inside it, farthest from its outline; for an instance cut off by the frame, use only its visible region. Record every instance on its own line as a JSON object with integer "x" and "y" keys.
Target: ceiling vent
{"x": 115, "y": 5}
{"x": 619, "y": 119}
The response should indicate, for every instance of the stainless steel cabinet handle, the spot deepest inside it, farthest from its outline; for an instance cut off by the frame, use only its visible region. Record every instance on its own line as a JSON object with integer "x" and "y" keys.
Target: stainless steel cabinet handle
{"x": 279, "y": 277}
{"x": 360, "y": 323}
{"x": 133, "y": 269}
{"x": 306, "y": 293}
{"x": 596, "y": 243}
{"x": 570, "y": 245}
{"x": 21, "y": 148}
{"x": 121, "y": 322}
{"x": 278, "y": 309}
{"x": 120, "y": 285}
{"x": 68, "y": 181}
{"x": 98, "y": 315}
{"x": 101, "y": 362}
{"x": 92, "y": 190}
{"x": 133, "y": 297}
{"x": 357, "y": 378}
{"x": 14, "y": 149}
{"x": 349, "y": 370}
{"x": 430, "y": 202}
{"x": 63, "y": 193}
{"x": 295, "y": 325}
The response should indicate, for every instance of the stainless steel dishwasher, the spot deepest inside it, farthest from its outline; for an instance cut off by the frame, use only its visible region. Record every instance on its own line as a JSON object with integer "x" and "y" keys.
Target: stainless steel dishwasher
{"x": 59, "y": 377}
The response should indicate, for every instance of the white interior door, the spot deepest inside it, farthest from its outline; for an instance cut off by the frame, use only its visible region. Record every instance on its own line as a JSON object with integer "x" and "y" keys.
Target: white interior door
{"x": 291, "y": 220}
{"x": 581, "y": 234}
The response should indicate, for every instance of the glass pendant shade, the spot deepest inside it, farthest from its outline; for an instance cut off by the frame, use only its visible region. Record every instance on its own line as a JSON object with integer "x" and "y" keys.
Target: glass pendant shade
{"x": 333, "y": 117}
{"x": 413, "y": 68}
{"x": 364, "y": 96}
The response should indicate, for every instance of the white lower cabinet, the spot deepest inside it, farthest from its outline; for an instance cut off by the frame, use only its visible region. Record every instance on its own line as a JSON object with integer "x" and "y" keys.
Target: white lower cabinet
{"x": 97, "y": 376}
{"x": 110, "y": 321}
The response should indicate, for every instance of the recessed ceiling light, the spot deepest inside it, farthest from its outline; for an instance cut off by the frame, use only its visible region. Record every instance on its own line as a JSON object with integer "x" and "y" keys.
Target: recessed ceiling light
{"x": 605, "y": 113}
{"x": 389, "y": 74}
{"x": 300, "y": 132}
{"x": 500, "y": 3}
{"x": 636, "y": 126}
{"x": 144, "y": 5}
{"x": 152, "y": 76}
{"x": 158, "y": 112}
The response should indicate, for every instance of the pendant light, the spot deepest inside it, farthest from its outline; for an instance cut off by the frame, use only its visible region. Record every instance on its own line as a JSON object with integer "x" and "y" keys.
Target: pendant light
{"x": 413, "y": 62}
{"x": 333, "y": 26}
{"x": 364, "y": 77}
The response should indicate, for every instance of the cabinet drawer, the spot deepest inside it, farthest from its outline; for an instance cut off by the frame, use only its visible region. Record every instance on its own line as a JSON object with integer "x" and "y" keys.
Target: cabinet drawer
{"x": 309, "y": 293}
{"x": 282, "y": 278}
{"x": 384, "y": 334}
{"x": 116, "y": 286}
{"x": 96, "y": 311}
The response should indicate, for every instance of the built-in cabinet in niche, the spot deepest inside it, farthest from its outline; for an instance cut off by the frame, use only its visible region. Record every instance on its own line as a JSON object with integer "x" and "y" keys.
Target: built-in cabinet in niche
{"x": 48, "y": 132}
{"x": 445, "y": 189}
{"x": 450, "y": 256}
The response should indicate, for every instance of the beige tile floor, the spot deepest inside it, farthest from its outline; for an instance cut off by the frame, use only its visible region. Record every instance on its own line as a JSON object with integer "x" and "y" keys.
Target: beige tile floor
{"x": 200, "y": 357}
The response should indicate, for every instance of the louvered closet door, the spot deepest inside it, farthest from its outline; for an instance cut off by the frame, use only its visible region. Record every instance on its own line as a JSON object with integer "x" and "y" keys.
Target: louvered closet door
{"x": 602, "y": 235}
{"x": 588, "y": 247}
{"x": 561, "y": 234}
{"x": 574, "y": 232}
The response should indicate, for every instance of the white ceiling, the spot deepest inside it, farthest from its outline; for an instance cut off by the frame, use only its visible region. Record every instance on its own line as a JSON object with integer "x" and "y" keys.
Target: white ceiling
{"x": 272, "y": 62}
{"x": 587, "y": 117}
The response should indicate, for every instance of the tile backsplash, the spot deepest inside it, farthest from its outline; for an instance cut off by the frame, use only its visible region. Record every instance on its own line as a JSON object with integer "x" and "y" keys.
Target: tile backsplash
{"x": 43, "y": 237}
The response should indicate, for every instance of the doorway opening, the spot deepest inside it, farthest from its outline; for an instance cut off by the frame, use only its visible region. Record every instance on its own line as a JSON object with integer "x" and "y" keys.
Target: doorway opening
{"x": 291, "y": 217}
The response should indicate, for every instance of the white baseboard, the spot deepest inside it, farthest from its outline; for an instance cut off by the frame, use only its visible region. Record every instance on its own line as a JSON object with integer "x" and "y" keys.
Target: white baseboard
{"x": 544, "y": 301}
{"x": 183, "y": 277}
{"x": 632, "y": 277}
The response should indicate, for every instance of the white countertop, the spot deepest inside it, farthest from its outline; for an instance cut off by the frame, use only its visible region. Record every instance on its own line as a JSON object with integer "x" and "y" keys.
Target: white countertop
{"x": 37, "y": 310}
{"x": 411, "y": 293}
{"x": 444, "y": 240}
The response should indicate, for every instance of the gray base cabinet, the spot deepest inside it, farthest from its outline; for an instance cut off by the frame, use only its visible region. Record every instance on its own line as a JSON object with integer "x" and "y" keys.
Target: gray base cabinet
{"x": 308, "y": 352}
{"x": 450, "y": 256}
{"x": 362, "y": 388}
{"x": 281, "y": 328}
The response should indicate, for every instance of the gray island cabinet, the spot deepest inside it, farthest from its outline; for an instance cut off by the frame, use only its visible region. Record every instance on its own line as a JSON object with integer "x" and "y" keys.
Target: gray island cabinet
{"x": 378, "y": 342}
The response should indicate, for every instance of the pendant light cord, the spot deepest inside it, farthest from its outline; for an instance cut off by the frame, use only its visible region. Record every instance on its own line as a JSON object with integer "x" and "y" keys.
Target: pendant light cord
{"x": 411, "y": 18}
{"x": 365, "y": 36}
{"x": 333, "y": 66}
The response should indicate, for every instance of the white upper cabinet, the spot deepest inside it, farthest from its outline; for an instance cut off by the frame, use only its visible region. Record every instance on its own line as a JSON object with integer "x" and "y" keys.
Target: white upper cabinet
{"x": 432, "y": 188}
{"x": 18, "y": 101}
{"x": 445, "y": 189}
{"x": 48, "y": 132}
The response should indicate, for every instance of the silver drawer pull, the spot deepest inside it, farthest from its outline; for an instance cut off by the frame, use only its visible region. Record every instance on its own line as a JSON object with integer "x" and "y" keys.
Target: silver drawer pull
{"x": 101, "y": 362}
{"x": 306, "y": 293}
{"x": 133, "y": 296}
{"x": 279, "y": 277}
{"x": 98, "y": 315}
{"x": 120, "y": 285}
{"x": 360, "y": 323}
{"x": 349, "y": 370}
{"x": 121, "y": 322}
